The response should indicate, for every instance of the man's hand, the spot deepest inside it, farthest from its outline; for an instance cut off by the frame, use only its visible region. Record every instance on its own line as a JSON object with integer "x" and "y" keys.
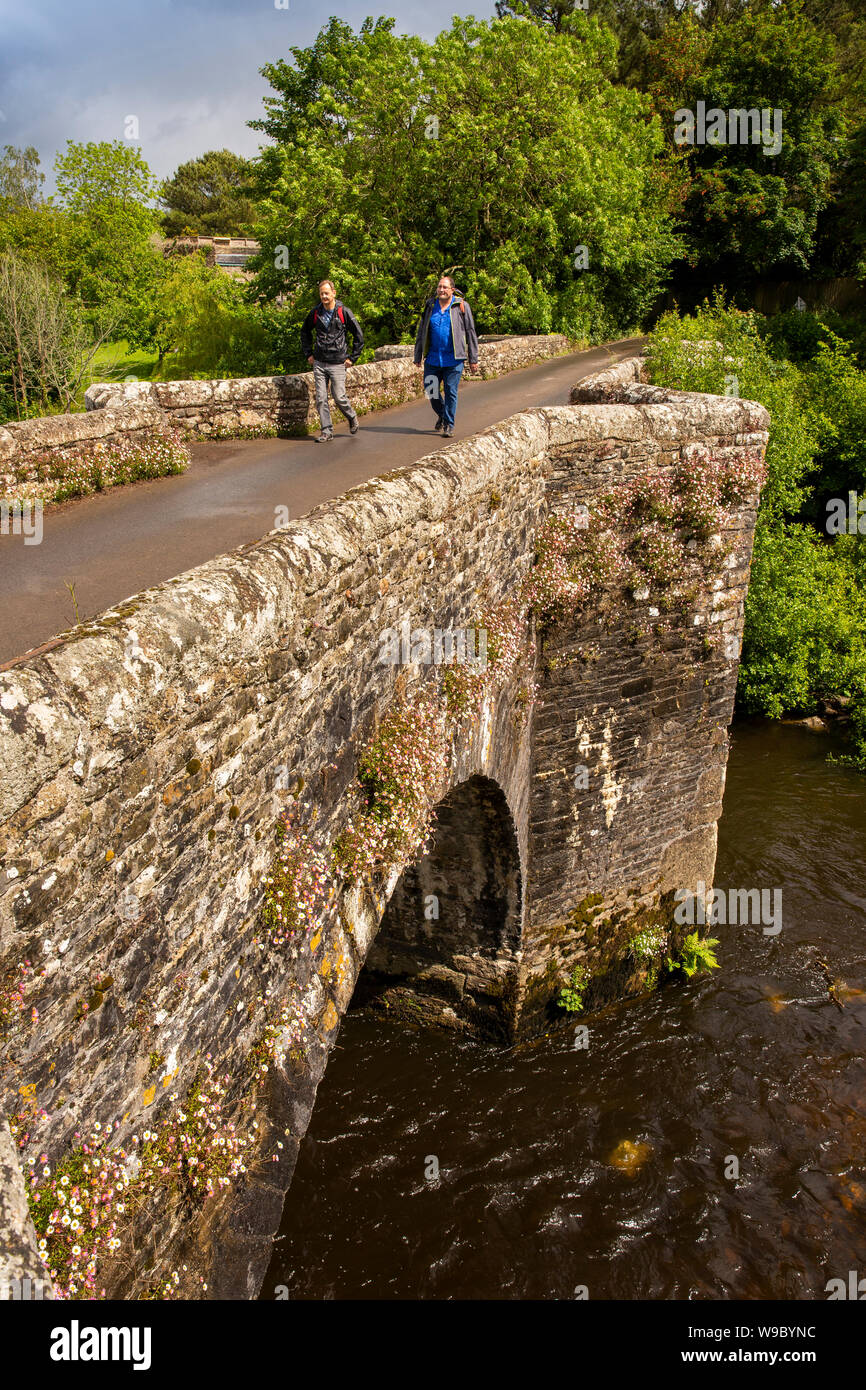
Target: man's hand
{"x": 348, "y": 362}
{"x": 473, "y": 367}
{"x": 310, "y": 360}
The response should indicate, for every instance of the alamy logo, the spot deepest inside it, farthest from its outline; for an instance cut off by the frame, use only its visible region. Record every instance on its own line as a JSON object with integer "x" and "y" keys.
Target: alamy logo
{"x": 850, "y": 518}
{"x": 855, "y": 1288}
{"x": 22, "y": 519}
{"x": 465, "y": 646}
{"x": 76, "y": 1343}
{"x": 735, "y": 127}
{"x": 736, "y": 907}
{"x": 23, "y": 1290}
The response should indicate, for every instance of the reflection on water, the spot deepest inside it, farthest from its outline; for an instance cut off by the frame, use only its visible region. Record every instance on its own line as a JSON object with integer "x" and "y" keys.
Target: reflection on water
{"x": 612, "y": 1167}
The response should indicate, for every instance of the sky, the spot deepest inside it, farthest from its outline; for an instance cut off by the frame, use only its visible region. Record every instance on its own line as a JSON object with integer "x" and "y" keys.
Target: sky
{"x": 188, "y": 70}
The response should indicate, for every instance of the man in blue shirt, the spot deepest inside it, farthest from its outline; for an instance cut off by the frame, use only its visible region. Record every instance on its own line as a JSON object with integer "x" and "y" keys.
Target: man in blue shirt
{"x": 447, "y": 334}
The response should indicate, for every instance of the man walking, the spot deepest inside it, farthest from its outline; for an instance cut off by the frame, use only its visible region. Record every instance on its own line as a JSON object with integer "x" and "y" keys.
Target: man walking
{"x": 446, "y": 337}
{"x": 330, "y": 355}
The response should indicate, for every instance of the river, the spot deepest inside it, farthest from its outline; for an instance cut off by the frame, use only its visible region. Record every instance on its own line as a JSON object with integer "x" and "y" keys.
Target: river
{"x": 611, "y": 1169}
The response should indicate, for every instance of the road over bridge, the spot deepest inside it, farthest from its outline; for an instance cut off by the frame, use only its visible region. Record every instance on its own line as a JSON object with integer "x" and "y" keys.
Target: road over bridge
{"x": 113, "y": 544}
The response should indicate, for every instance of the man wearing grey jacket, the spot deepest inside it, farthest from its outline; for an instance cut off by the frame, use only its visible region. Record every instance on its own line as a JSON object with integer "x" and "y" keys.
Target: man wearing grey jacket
{"x": 446, "y": 337}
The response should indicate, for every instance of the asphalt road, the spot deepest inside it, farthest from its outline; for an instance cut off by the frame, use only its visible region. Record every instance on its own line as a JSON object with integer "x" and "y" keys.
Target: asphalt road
{"x": 116, "y": 543}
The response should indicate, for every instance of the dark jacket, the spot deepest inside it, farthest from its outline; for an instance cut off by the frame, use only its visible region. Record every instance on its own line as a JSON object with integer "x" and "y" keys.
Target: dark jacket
{"x": 331, "y": 345}
{"x": 464, "y": 339}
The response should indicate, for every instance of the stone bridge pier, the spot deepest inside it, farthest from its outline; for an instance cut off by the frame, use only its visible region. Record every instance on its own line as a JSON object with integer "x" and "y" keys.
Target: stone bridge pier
{"x": 150, "y": 757}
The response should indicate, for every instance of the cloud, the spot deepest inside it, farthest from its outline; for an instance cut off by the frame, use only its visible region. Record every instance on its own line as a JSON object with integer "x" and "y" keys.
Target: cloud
{"x": 187, "y": 69}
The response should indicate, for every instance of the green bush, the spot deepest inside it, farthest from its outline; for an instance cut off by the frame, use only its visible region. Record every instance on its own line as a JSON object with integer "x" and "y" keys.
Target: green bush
{"x": 806, "y": 607}
{"x": 731, "y": 346}
{"x": 571, "y": 996}
{"x": 805, "y": 634}
{"x": 834, "y": 390}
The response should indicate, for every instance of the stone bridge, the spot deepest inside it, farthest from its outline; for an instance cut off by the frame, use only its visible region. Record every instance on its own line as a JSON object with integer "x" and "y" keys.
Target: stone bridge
{"x": 149, "y": 757}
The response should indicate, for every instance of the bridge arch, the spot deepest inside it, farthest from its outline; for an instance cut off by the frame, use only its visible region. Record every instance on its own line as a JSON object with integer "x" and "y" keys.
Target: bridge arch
{"x": 448, "y": 943}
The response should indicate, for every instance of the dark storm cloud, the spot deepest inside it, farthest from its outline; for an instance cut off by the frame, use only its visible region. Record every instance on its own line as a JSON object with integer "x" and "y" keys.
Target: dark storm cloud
{"x": 187, "y": 69}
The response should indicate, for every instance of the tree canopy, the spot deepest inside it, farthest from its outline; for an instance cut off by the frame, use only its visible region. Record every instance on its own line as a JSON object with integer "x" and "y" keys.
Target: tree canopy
{"x": 107, "y": 191}
{"x": 20, "y": 178}
{"x": 208, "y": 195}
{"x": 495, "y": 152}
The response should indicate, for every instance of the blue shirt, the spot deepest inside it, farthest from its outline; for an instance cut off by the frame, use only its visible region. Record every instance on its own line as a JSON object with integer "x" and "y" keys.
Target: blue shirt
{"x": 324, "y": 316}
{"x": 441, "y": 352}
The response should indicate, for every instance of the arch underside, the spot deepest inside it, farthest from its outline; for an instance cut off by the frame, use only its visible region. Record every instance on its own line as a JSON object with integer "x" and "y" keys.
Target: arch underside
{"x": 445, "y": 953}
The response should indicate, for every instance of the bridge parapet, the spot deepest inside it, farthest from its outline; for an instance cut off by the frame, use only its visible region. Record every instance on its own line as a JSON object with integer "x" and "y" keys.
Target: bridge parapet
{"x": 287, "y": 404}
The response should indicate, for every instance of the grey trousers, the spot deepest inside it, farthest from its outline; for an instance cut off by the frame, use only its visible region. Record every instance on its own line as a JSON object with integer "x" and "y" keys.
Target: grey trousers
{"x": 335, "y": 372}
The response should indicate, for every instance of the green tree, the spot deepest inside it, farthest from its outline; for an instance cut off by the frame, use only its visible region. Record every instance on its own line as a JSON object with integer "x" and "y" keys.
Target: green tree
{"x": 636, "y": 23}
{"x": 20, "y": 178}
{"x": 90, "y": 176}
{"x": 202, "y": 325}
{"x": 208, "y": 195}
{"x": 843, "y": 22}
{"x": 114, "y": 261}
{"x": 551, "y": 12}
{"x": 46, "y": 346}
{"x": 42, "y": 234}
{"x": 387, "y": 167}
{"x": 749, "y": 213}
{"x": 805, "y": 633}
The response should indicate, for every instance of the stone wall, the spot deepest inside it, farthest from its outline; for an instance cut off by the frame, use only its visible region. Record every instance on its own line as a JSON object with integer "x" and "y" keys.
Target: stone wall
{"x": 145, "y": 758}
{"x": 148, "y": 754}
{"x": 287, "y": 404}
{"x": 23, "y": 442}
{"x": 630, "y": 744}
{"x": 235, "y": 406}
{"x": 281, "y": 405}
{"x": 494, "y": 349}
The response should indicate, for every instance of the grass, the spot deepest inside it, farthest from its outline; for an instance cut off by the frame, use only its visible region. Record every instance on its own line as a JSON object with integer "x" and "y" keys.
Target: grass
{"x": 114, "y": 361}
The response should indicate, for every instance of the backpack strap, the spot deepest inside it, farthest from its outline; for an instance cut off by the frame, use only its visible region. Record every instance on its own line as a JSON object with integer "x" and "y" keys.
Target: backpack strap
{"x": 339, "y": 311}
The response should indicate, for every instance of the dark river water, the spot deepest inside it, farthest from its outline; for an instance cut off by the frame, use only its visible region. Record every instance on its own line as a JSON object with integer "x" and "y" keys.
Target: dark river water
{"x": 611, "y": 1167}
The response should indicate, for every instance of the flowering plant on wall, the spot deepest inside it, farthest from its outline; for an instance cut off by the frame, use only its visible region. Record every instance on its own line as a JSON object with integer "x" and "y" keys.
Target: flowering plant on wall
{"x": 298, "y": 886}
{"x": 405, "y": 761}
{"x": 508, "y": 656}
{"x": 93, "y": 467}
{"x": 83, "y": 1208}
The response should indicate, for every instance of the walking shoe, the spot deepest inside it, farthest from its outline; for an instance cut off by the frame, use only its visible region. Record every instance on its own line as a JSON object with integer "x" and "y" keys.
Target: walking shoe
{"x": 447, "y": 432}
{"x": 438, "y": 424}
{"x": 354, "y": 426}
{"x": 324, "y": 437}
